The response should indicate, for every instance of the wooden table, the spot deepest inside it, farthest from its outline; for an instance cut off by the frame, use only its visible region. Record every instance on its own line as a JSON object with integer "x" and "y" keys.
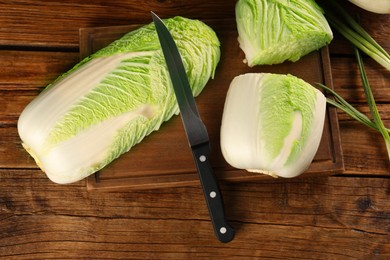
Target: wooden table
{"x": 336, "y": 217}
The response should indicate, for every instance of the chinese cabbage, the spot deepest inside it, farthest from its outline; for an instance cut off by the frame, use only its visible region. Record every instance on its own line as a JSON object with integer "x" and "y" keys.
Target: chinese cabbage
{"x": 111, "y": 100}
{"x": 273, "y": 31}
{"x": 272, "y": 124}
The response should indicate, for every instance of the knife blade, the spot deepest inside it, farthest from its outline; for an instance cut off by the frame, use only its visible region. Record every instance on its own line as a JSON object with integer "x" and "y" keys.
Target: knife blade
{"x": 195, "y": 130}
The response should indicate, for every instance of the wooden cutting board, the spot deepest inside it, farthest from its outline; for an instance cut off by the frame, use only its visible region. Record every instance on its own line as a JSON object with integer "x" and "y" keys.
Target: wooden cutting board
{"x": 164, "y": 159}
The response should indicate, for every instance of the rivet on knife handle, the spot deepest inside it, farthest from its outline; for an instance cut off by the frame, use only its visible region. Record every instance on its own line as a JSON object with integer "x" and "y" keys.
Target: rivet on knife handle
{"x": 213, "y": 196}
{"x": 196, "y": 131}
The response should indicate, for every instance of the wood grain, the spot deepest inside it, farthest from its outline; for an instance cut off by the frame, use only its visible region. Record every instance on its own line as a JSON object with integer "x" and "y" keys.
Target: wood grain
{"x": 23, "y": 76}
{"x": 56, "y": 23}
{"x": 340, "y": 217}
{"x": 285, "y": 219}
{"x": 348, "y": 84}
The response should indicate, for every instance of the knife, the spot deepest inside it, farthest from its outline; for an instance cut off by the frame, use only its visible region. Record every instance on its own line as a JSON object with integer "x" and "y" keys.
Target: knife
{"x": 196, "y": 132}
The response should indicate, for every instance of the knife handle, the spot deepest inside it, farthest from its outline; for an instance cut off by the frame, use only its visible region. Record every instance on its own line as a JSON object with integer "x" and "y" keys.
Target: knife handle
{"x": 212, "y": 193}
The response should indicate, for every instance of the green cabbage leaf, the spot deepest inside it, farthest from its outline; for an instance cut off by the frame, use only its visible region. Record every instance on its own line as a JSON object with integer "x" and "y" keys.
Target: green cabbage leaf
{"x": 273, "y": 31}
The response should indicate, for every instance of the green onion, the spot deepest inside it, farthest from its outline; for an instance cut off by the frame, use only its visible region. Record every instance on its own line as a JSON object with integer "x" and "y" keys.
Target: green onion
{"x": 343, "y": 105}
{"x": 371, "y": 103}
{"x": 376, "y": 123}
{"x": 356, "y": 34}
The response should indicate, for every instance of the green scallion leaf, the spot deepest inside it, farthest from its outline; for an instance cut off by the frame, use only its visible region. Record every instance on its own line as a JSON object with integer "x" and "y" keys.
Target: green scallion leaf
{"x": 356, "y": 34}
{"x": 371, "y": 103}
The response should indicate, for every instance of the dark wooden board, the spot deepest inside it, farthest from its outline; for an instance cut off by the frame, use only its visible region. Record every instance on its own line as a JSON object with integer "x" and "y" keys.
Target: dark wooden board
{"x": 163, "y": 159}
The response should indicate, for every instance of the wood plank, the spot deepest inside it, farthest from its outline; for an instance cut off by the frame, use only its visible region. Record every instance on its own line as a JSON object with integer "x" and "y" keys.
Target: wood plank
{"x": 347, "y": 82}
{"x": 23, "y": 76}
{"x": 364, "y": 149}
{"x": 32, "y": 70}
{"x": 56, "y": 23}
{"x": 316, "y": 218}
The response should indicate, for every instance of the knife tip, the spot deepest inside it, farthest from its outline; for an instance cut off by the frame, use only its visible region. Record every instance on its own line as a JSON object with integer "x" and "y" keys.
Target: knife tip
{"x": 154, "y": 16}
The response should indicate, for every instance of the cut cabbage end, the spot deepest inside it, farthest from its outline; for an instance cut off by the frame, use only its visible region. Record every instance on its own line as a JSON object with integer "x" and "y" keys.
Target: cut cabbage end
{"x": 33, "y": 155}
{"x": 272, "y": 174}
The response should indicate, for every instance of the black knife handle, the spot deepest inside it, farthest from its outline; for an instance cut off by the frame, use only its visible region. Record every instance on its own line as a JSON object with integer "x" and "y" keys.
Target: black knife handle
{"x": 213, "y": 196}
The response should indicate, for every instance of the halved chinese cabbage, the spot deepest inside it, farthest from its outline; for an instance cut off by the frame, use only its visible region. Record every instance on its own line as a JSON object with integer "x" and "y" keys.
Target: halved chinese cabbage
{"x": 111, "y": 100}
{"x": 273, "y": 31}
{"x": 272, "y": 124}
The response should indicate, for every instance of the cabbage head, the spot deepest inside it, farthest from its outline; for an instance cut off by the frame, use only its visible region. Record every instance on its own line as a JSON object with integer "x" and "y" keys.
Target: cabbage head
{"x": 272, "y": 124}
{"x": 112, "y": 99}
{"x": 273, "y": 31}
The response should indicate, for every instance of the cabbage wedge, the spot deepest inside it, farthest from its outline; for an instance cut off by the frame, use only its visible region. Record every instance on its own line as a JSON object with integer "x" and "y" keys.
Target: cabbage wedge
{"x": 111, "y": 100}
{"x": 273, "y": 31}
{"x": 272, "y": 124}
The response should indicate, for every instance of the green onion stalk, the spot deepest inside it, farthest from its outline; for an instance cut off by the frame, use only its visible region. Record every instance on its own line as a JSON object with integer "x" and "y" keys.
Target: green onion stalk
{"x": 371, "y": 103}
{"x": 360, "y": 38}
{"x": 376, "y": 123}
{"x": 356, "y": 34}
